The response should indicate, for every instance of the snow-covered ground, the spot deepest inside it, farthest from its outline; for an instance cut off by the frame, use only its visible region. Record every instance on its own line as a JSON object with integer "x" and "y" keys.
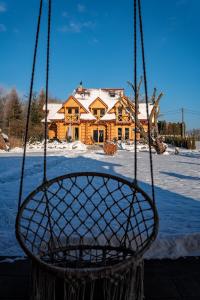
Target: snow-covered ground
{"x": 177, "y": 181}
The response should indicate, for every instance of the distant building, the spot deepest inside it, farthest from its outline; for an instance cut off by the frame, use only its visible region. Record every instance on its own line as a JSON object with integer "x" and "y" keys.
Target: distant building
{"x": 94, "y": 116}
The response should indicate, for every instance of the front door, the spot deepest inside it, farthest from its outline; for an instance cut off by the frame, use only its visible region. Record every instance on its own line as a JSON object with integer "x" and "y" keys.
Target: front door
{"x": 101, "y": 136}
{"x": 98, "y": 136}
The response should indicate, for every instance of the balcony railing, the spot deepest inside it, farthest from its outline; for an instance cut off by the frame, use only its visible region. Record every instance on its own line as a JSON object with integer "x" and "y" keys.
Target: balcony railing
{"x": 123, "y": 118}
{"x": 72, "y": 118}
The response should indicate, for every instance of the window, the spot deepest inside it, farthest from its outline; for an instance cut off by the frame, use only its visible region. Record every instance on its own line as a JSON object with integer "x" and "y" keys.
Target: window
{"x": 119, "y": 134}
{"x": 126, "y": 133}
{"x": 76, "y": 133}
{"x": 112, "y": 94}
{"x": 69, "y": 110}
{"x": 96, "y": 136}
{"x": 98, "y": 112}
{"x": 76, "y": 111}
{"x": 102, "y": 112}
{"x": 101, "y": 136}
{"x": 119, "y": 111}
{"x": 95, "y": 112}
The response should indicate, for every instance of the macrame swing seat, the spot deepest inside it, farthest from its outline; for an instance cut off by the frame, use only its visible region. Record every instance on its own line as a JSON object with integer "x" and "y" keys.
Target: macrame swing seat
{"x": 85, "y": 233}
{"x": 84, "y": 227}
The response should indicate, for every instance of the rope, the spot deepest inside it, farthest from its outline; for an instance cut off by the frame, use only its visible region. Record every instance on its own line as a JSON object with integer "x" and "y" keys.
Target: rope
{"x": 146, "y": 98}
{"x": 135, "y": 83}
{"x": 135, "y": 139}
{"x": 47, "y": 90}
{"x": 52, "y": 244}
{"x": 29, "y": 103}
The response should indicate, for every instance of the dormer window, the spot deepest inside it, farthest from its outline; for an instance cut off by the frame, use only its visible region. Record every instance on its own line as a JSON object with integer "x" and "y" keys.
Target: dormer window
{"x": 99, "y": 112}
{"x": 102, "y": 112}
{"x": 95, "y": 112}
{"x": 120, "y": 111}
{"x": 73, "y": 110}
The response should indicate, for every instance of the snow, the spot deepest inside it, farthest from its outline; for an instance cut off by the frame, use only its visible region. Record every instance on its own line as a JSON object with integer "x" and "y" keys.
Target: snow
{"x": 52, "y": 146}
{"x": 87, "y": 116}
{"x": 4, "y": 136}
{"x": 131, "y": 147}
{"x": 198, "y": 145}
{"x": 53, "y": 109}
{"x": 86, "y": 100}
{"x": 108, "y": 117}
{"x": 177, "y": 188}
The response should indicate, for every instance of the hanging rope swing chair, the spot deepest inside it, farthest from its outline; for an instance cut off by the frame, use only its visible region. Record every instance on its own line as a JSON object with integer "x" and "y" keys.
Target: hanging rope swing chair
{"x": 86, "y": 233}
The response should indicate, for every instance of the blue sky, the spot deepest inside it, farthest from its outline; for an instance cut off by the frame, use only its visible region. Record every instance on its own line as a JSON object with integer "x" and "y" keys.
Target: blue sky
{"x": 93, "y": 41}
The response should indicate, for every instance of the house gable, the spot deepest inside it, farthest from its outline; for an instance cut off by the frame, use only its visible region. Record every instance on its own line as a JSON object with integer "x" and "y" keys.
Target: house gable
{"x": 98, "y": 103}
{"x": 72, "y": 102}
{"x": 123, "y": 102}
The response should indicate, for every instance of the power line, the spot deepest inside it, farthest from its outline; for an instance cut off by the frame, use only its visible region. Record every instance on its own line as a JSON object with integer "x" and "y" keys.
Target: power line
{"x": 186, "y": 110}
{"x": 192, "y": 111}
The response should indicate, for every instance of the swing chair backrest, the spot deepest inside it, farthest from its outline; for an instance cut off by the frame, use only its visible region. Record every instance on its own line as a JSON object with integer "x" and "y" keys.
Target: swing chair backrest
{"x": 87, "y": 210}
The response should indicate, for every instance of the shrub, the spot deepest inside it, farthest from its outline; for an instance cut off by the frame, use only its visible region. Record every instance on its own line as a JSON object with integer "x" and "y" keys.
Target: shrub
{"x": 15, "y": 142}
{"x": 178, "y": 141}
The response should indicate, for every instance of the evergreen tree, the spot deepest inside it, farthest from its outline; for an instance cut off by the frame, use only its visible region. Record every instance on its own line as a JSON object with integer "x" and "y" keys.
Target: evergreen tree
{"x": 41, "y": 103}
{"x": 36, "y": 131}
{"x": 13, "y": 114}
{"x": 34, "y": 114}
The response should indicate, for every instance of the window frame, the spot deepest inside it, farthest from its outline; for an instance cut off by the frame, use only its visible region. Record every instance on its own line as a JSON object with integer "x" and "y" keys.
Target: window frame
{"x": 125, "y": 135}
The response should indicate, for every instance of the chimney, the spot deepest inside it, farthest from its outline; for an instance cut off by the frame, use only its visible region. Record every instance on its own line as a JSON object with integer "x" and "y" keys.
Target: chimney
{"x": 80, "y": 88}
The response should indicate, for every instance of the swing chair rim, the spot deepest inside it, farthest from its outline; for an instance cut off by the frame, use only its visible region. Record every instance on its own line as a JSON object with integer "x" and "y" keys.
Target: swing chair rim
{"x": 78, "y": 272}
{"x": 134, "y": 255}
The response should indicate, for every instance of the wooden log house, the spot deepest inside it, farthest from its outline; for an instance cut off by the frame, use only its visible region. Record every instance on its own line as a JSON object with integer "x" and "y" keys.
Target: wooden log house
{"x": 95, "y": 116}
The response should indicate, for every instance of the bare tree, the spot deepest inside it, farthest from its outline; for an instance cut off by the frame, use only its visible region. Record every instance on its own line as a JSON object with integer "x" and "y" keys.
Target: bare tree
{"x": 155, "y": 139}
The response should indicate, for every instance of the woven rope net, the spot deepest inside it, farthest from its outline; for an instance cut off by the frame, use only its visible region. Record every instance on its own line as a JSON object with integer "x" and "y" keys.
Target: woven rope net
{"x": 93, "y": 224}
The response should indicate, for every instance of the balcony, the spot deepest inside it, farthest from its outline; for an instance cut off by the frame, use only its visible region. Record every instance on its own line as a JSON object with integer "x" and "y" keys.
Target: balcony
{"x": 120, "y": 119}
{"x": 72, "y": 118}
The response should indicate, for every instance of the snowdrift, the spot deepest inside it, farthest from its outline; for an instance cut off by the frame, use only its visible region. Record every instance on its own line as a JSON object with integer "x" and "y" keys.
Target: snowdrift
{"x": 174, "y": 247}
{"x": 53, "y": 146}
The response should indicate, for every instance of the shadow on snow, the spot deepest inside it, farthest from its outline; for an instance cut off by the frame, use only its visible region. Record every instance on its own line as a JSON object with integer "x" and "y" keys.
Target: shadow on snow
{"x": 178, "y": 214}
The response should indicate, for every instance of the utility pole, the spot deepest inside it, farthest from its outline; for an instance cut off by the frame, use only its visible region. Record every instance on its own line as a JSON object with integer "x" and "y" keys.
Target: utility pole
{"x": 182, "y": 123}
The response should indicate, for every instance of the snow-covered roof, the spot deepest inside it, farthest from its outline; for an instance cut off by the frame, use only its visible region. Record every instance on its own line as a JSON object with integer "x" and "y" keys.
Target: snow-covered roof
{"x": 142, "y": 110}
{"x": 53, "y": 109}
{"x": 87, "y": 98}
{"x": 87, "y": 116}
{"x": 108, "y": 117}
